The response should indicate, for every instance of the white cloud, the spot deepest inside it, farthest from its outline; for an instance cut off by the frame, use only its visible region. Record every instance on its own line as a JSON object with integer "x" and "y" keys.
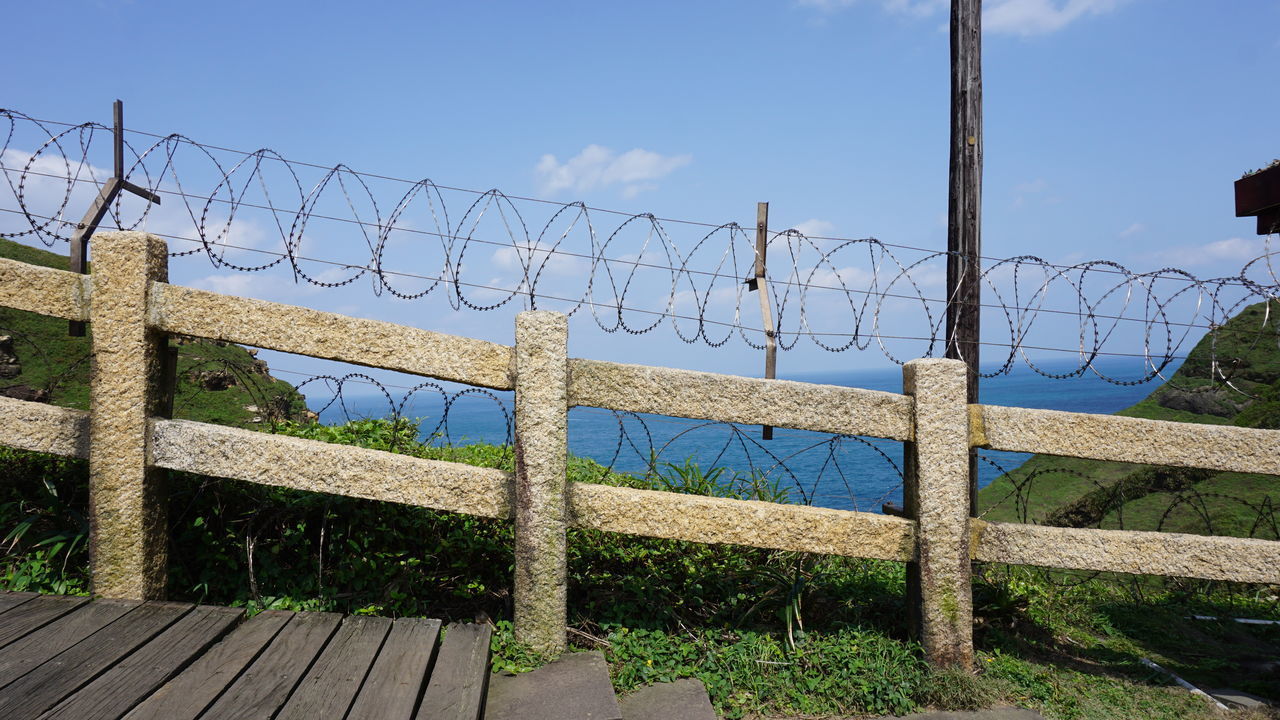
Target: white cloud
{"x": 246, "y": 285}
{"x": 814, "y": 227}
{"x": 846, "y": 278}
{"x": 1031, "y": 187}
{"x": 1040, "y": 17}
{"x": 45, "y": 194}
{"x": 918, "y": 8}
{"x": 826, "y": 5}
{"x": 1133, "y": 229}
{"x": 538, "y": 258}
{"x": 631, "y": 191}
{"x": 1234, "y": 250}
{"x": 598, "y": 167}
{"x": 1010, "y": 17}
{"x": 266, "y": 286}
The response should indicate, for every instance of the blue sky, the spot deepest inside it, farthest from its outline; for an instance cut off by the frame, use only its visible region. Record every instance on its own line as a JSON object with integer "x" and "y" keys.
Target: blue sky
{"x": 1114, "y": 128}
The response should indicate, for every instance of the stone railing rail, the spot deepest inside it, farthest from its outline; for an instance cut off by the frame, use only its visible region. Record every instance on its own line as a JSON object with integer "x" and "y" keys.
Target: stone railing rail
{"x": 128, "y": 443}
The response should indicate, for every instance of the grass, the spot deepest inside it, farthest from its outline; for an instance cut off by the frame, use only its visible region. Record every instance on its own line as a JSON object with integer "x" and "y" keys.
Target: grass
{"x": 770, "y": 633}
{"x": 59, "y": 364}
{"x": 1114, "y": 495}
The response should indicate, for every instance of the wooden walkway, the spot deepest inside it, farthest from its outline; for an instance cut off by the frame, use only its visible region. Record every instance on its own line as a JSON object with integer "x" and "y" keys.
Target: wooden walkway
{"x": 76, "y": 659}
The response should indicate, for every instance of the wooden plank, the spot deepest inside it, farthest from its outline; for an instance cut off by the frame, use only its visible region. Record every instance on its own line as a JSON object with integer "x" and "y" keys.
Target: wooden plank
{"x": 1258, "y": 192}
{"x": 133, "y": 678}
{"x": 266, "y": 684}
{"x": 461, "y": 675}
{"x": 47, "y": 685}
{"x": 35, "y": 649}
{"x": 10, "y": 600}
{"x": 188, "y": 694}
{"x": 35, "y": 614}
{"x": 333, "y": 682}
{"x": 395, "y": 682}
{"x": 1269, "y": 221}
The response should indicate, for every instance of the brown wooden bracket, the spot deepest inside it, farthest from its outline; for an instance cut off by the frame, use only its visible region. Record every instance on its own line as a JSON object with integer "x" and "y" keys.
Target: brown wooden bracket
{"x": 1258, "y": 195}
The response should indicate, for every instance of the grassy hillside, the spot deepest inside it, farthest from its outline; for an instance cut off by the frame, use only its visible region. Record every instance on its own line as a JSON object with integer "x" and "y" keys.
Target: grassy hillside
{"x": 217, "y": 382}
{"x": 1087, "y": 493}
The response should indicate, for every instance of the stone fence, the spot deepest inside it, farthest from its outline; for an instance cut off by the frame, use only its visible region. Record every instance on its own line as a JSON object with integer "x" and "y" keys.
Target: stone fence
{"x": 132, "y": 308}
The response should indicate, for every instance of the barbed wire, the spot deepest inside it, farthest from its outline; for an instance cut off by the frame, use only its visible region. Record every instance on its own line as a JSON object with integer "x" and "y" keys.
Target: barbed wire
{"x": 1024, "y": 346}
{"x": 485, "y": 250}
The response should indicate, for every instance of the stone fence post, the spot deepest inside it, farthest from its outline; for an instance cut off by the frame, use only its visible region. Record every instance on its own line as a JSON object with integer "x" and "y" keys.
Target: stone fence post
{"x": 937, "y": 497}
{"x": 127, "y": 500}
{"x": 541, "y": 440}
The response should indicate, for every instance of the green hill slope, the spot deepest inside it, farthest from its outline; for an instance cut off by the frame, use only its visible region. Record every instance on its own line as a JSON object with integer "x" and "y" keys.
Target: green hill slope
{"x": 1074, "y": 492}
{"x": 217, "y": 382}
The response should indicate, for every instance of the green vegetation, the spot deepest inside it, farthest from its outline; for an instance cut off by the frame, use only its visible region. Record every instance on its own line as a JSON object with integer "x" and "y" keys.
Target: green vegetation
{"x": 1274, "y": 163}
{"x": 1088, "y": 493}
{"x": 770, "y": 633}
{"x": 216, "y": 382}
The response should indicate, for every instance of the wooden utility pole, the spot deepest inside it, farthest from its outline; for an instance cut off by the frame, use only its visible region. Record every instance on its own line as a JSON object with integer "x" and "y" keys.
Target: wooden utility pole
{"x": 964, "y": 202}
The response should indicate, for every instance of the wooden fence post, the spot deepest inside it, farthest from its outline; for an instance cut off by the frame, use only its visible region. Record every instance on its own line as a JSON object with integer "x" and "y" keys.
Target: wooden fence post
{"x": 541, "y": 439}
{"x": 937, "y": 497}
{"x": 127, "y": 500}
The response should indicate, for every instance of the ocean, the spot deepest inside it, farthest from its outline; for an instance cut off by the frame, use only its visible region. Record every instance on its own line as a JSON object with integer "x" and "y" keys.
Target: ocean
{"x": 816, "y": 468}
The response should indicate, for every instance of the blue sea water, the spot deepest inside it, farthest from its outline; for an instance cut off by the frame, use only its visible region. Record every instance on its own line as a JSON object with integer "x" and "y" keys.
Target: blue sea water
{"x": 825, "y": 470}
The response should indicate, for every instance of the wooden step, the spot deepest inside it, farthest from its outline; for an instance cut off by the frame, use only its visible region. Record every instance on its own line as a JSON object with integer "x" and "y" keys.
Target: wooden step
{"x": 60, "y": 676}
{"x": 395, "y": 681}
{"x": 459, "y": 680}
{"x": 575, "y": 687}
{"x": 680, "y": 700}
{"x": 193, "y": 690}
{"x": 115, "y": 691}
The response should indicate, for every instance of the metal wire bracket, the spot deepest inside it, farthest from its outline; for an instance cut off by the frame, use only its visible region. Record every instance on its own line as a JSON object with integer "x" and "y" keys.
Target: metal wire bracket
{"x": 758, "y": 283}
{"x": 106, "y": 195}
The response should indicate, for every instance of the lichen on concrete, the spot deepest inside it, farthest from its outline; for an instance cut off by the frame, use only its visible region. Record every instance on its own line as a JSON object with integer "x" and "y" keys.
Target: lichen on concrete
{"x": 937, "y": 488}
{"x": 542, "y": 407}
{"x": 316, "y": 466}
{"x": 371, "y": 343}
{"x": 1130, "y": 551}
{"x": 48, "y": 291}
{"x": 1133, "y": 440}
{"x": 749, "y": 401}
{"x": 696, "y": 518}
{"x": 127, "y": 498}
{"x": 44, "y": 428}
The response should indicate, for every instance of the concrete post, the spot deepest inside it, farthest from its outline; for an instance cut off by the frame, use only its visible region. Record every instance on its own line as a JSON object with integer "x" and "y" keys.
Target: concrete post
{"x": 937, "y": 496}
{"x": 127, "y": 500}
{"x": 541, "y": 438}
